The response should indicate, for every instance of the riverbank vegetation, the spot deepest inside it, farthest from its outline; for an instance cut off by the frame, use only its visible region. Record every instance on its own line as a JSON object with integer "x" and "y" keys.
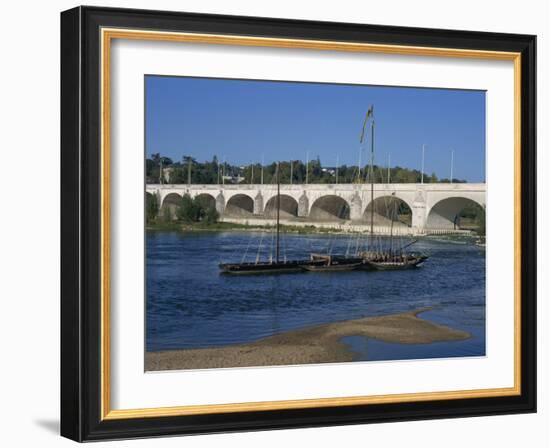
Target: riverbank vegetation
{"x": 472, "y": 218}
{"x": 189, "y": 211}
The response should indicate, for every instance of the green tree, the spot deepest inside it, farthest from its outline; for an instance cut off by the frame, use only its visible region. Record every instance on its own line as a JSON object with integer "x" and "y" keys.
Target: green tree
{"x": 196, "y": 210}
{"x": 177, "y": 176}
{"x": 151, "y": 207}
{"x": 188, "y": 211}
{"x": 188, "y": 161}
{"x": 167, "y": 214}
{"x": 153, "y": 166}
{"x": 211, "y": 215}
{"x": 209, "y": 172}
{"x": 480, "y": 221}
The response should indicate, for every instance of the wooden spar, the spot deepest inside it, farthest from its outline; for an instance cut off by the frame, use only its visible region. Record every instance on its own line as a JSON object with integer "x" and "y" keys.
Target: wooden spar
{"x": 278, "y": 211}
{"x": 391, "y": 227}
{"x": 409, "y": 244}
{"x": 372, "y": 181}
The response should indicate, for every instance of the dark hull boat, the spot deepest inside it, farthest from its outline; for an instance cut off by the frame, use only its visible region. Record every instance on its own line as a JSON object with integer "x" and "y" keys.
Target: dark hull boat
{"x": 329, "y": 263}
{"x": 380, "y": 259}
{"x": 262, "y": 267}
{"x": 388, "y": 259}
{"x": 272, "y": 266}
{"x": 397, "y": 263}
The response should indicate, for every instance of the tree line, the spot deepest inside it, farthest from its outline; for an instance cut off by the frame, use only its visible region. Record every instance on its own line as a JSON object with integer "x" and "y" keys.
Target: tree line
{"x": 189, "y": 170}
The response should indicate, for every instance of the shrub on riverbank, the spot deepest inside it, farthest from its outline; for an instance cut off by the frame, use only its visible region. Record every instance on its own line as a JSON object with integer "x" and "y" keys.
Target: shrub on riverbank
{"x": 151, "y": 207}
{"x": 196, "y": 211}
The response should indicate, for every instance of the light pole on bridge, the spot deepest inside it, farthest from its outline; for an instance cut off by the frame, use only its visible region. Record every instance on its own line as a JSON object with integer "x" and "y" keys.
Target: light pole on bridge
{"x": 452, "y": 162}
{"x": 422, "y": 171}
{"x": 291, "y": 172}
{"x": 307, "y": 167}
{"x": 262, "y": 171}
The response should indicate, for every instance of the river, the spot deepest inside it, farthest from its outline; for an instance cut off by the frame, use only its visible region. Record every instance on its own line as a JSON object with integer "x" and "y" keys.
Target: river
{"x": 190, "y": 305}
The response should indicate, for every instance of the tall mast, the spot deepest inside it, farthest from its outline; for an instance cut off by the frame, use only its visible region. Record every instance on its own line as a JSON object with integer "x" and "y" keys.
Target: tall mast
{"x": 278, "y": 210}
{"x": 359, "y": 164}
{"x": 307, "y": 167}
{"x": 394, "y": 212}
{"x": 452, "y": 162}
{"x": 160, "y": 172}
{"x": 372, "y": 179}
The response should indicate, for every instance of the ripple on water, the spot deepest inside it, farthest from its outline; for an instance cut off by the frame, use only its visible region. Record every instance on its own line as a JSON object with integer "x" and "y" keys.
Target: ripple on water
{"x": 189, "y": 305}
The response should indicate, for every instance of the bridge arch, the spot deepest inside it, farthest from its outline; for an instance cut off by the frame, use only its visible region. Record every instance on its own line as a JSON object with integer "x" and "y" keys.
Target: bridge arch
{"x": 330, "y": 208}
{"x": 239, "y": 206}
{"x": 445, "y": 214}
{"x": 206, "y": 200}
{"x": 288, "y": 207}
{"x": 389, "y": 207}
{"x": 170, "y": 202}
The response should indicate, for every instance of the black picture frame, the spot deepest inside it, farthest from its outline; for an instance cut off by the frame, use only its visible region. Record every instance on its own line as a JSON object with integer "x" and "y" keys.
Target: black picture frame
{"x": 81, "y": 224}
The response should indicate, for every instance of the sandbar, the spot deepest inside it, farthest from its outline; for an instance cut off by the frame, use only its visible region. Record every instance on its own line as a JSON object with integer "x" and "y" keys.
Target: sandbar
{"x": 310, "y": 345}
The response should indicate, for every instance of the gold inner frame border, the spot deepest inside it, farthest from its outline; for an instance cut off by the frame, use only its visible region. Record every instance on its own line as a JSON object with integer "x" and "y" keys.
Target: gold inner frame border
{"x": 107, "y": 35}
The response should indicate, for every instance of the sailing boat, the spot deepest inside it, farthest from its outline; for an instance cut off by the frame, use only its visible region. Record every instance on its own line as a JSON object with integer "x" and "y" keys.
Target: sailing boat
{"x": 332, "y": 263}
{"x": 391, "y": 259}
{"x": 394, "y": 259}
{"x": 270, "y": 266}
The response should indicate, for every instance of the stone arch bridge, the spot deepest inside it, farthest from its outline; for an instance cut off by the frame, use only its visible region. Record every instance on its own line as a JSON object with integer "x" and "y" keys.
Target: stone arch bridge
{"x": 428, "y": 206}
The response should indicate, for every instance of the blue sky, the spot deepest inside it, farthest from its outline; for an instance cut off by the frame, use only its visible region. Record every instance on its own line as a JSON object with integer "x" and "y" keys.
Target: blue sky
{"x": 241, "y": 121}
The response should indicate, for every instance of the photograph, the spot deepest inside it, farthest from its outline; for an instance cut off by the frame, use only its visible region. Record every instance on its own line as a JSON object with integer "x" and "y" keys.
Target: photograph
{"x": 291, "y": 223}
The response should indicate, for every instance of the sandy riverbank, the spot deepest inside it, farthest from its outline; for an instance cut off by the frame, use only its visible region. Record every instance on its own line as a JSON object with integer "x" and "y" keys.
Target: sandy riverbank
{"x": 311, "y": 345}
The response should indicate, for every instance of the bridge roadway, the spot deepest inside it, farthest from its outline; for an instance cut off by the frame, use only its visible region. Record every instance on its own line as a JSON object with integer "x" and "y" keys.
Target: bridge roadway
{"x": 432, "y": 206}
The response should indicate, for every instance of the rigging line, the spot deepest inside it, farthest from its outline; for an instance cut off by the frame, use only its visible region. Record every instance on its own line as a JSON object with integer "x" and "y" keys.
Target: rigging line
{"x": 273, "y": 180}
{"x": 357, "y": 243}
{"x": 260, "y": 247}
{"x": 359, "y": 238}
{"x": 360, "y": 235}
{"x": 331, "y": 238}
{"x": 356, "y": 180}
{"x": 351, "y": 236}
{"x": 246, "y": 250}
{"x": 271, "y": 229}
{"x": 362, "y": 197}
{"x": 349, "y": 246}
{"x": 271, "y": 247}
{"x": 283, "y": 239}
